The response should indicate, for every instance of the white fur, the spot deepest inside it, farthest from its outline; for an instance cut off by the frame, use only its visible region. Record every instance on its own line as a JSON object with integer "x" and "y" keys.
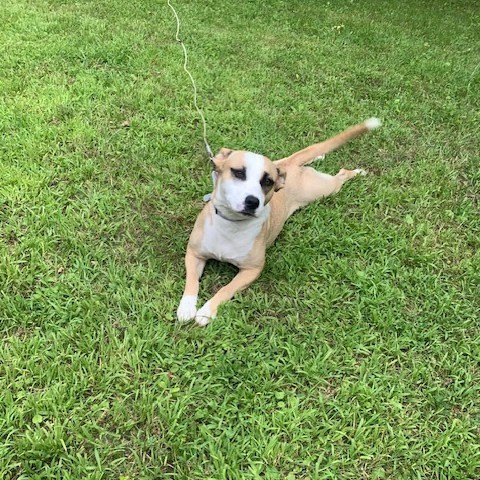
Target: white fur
{"x": 373, "y": 123}
{"x": 188, "y": 308}
{"x": 230, "y": 241}
{"x": 255, "y": 169}
{"x": 204, "y": 315}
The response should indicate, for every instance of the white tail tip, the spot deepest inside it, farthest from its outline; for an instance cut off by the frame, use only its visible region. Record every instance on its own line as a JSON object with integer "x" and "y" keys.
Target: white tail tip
{"x": 373, "y": 123}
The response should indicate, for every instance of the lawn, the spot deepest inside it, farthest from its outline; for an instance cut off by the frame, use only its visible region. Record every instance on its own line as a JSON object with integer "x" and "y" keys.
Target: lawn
{"x": 356, "y": 355}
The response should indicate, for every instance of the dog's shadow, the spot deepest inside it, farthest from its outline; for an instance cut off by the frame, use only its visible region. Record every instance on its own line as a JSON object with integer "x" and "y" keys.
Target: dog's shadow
{"x": 216, "y": 275}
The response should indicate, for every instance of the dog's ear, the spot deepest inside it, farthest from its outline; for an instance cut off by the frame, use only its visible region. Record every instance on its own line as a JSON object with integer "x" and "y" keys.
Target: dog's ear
{"x": 220, "y": 157}
{"x": 280, "y": 183}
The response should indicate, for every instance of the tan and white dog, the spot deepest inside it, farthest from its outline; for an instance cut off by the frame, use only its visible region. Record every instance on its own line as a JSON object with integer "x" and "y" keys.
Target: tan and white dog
{"x": 252, "y": 199}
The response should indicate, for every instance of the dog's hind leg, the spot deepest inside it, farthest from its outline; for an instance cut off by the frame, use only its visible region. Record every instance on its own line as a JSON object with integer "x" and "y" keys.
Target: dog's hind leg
{"x": 314, "y": 185}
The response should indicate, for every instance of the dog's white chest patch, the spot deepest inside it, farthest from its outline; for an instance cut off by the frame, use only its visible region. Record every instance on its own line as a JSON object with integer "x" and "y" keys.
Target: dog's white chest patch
{"x": 230, "y": 241}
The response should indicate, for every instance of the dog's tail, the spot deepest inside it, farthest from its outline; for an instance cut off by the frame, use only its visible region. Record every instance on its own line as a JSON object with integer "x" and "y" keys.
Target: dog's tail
{"x": 309, "y": 154}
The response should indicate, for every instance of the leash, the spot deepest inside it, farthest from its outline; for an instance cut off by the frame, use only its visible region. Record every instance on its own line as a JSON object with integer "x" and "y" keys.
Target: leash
{"x": 185, "y": 67}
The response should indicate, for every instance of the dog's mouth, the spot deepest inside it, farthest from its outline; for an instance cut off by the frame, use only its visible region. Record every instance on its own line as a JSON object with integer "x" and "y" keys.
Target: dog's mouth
{"x": 234, "y": 215}
{"x": 248, "y": 213}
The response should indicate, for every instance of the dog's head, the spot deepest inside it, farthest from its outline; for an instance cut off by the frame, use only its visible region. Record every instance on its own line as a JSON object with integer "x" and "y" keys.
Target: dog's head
{"x": 245, "y": 183}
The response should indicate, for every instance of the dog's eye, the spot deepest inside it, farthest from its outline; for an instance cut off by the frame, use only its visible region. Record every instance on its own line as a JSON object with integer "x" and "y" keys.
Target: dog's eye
{"x": 239, "y": 173}
{"x": 266, "y": 182}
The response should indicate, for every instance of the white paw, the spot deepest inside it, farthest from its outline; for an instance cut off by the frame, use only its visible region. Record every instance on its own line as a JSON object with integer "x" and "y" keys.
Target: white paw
{"x": 204, "y": 315}
{"x": 187, "y": 309}
{"x": 360, "y": 171}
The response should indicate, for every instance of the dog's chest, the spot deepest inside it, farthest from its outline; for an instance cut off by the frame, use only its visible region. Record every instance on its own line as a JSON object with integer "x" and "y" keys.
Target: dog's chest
{"x": 229, "y": 241}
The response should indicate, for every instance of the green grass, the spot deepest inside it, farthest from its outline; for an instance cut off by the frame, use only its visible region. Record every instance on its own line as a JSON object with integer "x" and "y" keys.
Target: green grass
{"x": 354, "y": 356}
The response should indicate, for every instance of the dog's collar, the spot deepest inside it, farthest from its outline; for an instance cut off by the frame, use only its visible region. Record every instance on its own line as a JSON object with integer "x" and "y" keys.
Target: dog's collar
{"x": 221, "y": 215}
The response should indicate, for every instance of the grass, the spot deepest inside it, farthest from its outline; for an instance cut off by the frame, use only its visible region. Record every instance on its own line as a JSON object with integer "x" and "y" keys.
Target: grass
{"x": 354, "y": 356}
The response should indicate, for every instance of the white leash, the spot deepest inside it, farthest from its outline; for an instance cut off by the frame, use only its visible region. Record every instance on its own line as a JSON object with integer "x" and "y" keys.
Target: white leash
{"x": 185, "y": 63}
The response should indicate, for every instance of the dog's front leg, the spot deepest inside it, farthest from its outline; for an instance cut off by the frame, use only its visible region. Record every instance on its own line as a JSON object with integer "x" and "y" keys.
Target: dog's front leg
{"x": 242, "y": 280}
{"x": 188, "y": 304}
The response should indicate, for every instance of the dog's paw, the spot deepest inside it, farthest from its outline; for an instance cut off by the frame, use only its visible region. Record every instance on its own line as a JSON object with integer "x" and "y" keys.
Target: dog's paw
{"x": 360, "y": 171}
{"x": 204, "y": 315}
{"x": 187, "y": 309}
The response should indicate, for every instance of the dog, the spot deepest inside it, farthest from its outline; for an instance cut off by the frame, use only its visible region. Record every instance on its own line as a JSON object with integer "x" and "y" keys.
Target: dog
{"x": 251, "y": 201}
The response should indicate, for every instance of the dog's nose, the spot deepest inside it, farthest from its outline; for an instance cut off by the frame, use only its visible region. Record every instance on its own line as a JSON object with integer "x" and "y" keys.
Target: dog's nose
{"x": 251, "y": 202}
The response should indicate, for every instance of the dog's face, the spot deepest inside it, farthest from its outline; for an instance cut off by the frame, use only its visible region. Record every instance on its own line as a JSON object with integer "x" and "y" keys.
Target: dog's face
{"x": 245, "y": 182}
